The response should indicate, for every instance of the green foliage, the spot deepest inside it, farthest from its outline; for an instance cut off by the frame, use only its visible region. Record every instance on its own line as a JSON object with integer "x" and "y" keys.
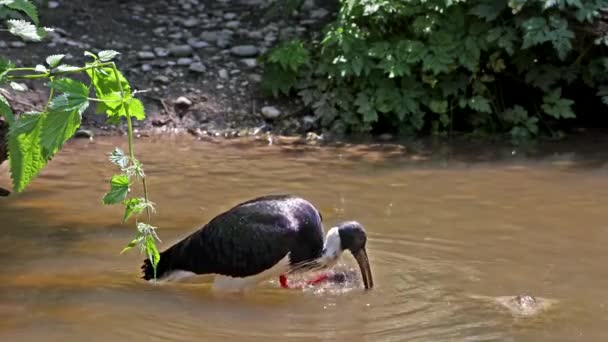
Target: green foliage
{"x": 34, "y": 138}
{"x": 483, "y": 65}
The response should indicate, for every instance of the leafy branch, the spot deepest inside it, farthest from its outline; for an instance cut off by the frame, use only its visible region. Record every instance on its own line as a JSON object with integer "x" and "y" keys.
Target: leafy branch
{"x": 35, "y": 137}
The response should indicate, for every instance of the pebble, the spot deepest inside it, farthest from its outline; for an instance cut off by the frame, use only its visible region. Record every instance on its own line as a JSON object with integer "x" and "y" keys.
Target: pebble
{"x": 53, "y": 4}
{"x": 162, "y": 79}
{"x": 191, "y": 22}
{"x": 184, "y": 61}
{"x": 198, "y": 67}
{"x": 197, "y": 44}
{"x": 245, "y": 51}
{"x": 146, "y": 68}
{"x": 249, "y": 62}
{"x": 84, "y": 133}
{"x": 234, "y": 24}
{"x": 319, "y": 13}
{"x": 145, "y": 55}
{"x": 183, "y": 101}
{"x": 223, "y": 74}
{"x": 256, "y": 78}
{"x": 17, "y": 44}
{"x": 161, "y": 52}
{"x": 270, "y": 112}
{"x": 3, "y": 44}
{"x": 180, "y": 50}
{"x": 229, "y": 16}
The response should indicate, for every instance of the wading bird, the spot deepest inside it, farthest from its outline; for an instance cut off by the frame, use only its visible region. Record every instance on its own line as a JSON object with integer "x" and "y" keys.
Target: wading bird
{"x": 266, "y": 237}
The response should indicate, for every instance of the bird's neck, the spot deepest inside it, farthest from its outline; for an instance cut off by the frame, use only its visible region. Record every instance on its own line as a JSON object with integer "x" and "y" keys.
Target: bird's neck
{"x": 332, "y": 248}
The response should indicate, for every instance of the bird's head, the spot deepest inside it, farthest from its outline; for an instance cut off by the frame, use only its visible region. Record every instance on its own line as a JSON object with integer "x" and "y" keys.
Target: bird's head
{"x": 354, "y": 239}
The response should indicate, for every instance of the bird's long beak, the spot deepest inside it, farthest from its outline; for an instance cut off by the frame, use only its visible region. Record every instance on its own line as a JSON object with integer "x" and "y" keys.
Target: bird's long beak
{"x": 366, "y": 272}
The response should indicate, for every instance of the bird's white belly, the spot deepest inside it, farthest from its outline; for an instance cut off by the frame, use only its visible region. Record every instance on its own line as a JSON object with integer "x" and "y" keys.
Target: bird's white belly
{"x": 227, "y": 283}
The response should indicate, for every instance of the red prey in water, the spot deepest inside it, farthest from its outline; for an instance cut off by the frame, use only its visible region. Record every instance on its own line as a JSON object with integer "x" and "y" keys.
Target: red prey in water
{"x": 263, "y": 238}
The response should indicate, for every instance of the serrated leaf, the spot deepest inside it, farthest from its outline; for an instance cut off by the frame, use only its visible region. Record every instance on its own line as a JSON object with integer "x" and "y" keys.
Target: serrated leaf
{"x": 365, "y": 107}
{"x": 24, "y": 6}
{"x": 54, "y": 60}
{"x": 58, "y": 128}
{"x": 556, "y": 106}
{"x": 152, "y": 251}
{"x": 438, "y": 106}
{"x": 74, "y": 97}
{"x": 90, "y": 54}
{"x": 489, "y": 9}
{"x": 65, "y": 67}
{"x": 132, "y": 244}
{"x": 119, "y": 188}
{"x": 26, "y": 30}
{"x": 515, "y": 115}
{"x": 136, "y": 109}
{"x": 40, "y": 68}
{"x": 25, "y": 152}
{"x": 107, "y": 55}
{"x": 480, "y": 104}
{"x": 119, "y": 158}
{"x": 133, "y": 206}
{"x": 6, "y": 111}
{"x": 106, "y": 88}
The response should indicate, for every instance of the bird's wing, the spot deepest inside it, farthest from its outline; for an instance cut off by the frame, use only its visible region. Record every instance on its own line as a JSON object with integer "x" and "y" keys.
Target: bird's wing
{"x": 238, "y": 243}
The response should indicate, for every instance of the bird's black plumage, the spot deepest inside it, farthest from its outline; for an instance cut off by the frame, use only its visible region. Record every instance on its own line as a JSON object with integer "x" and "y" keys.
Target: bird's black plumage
{"x": 248, "y": 239}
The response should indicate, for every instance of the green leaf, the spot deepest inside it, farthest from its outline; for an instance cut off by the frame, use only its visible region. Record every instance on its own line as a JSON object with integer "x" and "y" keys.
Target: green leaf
{"x": 6, "y": 111}
{"x": 107, "y": 89}
{"x": 25, "y": 151}
{"x": 26, "y": 30}
{"x": 152, "y": 251}
{"x": 40, "y": 68}
{"x": 556, "y": 106}
{"x": 515, "y": 115}
{"x": 58, "y": 128}
{"x": 439, "y": 106}
{"x": 107, "y": 55}
{"x": 489, "y": 9}
{"x": 365, "y": 107}
{"x": 74, "y": 97}
{"x": 133, "y": 206}
{"x": 136, "y": 109}
{"x": 119, "y": 188}
{"x": 132, "y": 244}
{"x": 54, "y": 60}
{"x": 480, "y": 104}
{"x": 24, "y": 6}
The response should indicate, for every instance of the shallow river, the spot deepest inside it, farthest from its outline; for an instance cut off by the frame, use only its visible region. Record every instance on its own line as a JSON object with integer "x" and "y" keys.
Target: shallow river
{"x": 448, "y": 233}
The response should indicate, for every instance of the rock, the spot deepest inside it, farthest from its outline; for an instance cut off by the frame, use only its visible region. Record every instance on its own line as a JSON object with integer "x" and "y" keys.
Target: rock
{"x": 223, "y": 74}
{"x": 161, "y": 52}
{"x": 319, "y": 13}
{"x": 3, "y": 44}
{"x": 83, "y": 134}
{"x": 191, "y": 22}
{"x": 234, "y": 24}
{"x": 17, "y": 44}
{"x": 53, "y": 4}
{"x": 162, "y": 79}
{"x": 210, "y": 36}
{"x": 308, "y": 5}
{"x": 146, "y": 68}
{"x": 198, "y": 67}
{"x": 182, "y": 101}
{"x": 222, "y": 43}
{"x": 230, "y": 16}
{"x": 270, "y": 112}
{"x": 197, "y": 44}
{"x": 180, "y": 50}
{"x": 146, "y": 55}
{"x": 184, "y": 61}
{"x": 249, "y": 62}
{"x": 256, "y": 78}
{"x": 245, "y": 51}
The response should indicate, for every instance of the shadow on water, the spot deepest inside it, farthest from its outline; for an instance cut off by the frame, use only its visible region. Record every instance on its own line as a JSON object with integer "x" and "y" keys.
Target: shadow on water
{"x": 447, "y": 224}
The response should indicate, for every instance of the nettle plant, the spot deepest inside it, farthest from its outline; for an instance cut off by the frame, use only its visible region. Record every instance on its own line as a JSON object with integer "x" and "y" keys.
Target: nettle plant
{"x": 35, "y": 137}
{"x": 488, "y": 66}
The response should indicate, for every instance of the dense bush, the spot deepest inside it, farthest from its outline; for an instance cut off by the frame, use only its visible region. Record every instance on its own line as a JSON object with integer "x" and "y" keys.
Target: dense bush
{"x": 483, "y": 66}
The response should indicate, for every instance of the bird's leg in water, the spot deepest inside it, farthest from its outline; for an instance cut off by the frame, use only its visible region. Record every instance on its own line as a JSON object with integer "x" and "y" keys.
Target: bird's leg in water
{"x": 319, "y": 279}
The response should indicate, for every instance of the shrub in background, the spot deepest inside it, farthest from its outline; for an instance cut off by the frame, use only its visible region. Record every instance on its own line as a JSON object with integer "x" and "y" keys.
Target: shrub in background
{"x": 481, "y": 66}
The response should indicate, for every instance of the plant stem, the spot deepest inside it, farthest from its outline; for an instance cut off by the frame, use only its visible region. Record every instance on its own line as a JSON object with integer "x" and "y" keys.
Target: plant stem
{"x": 51, "y": 93}
{"x": 130, "y": 134}
{"x": 59, "y": 73}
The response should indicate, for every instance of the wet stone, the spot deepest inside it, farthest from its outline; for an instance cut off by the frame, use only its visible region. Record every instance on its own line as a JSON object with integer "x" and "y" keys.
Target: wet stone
{"x": 223, "y": 74}
{"x": 145, "y": 55}
{"x": 161, "y": 52}
{"x": 181, "y": 50}
{"x": 184, "y": 61}
{"x": 191, "y": 22}
{"x": 198, "y": 67}
{"x": 270, "y": 112}
{"x": 245, "y": 51}
{"x": 234, "y": 24}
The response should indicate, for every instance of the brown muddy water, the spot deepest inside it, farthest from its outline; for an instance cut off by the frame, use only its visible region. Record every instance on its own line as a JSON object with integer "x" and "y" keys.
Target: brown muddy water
{"x": 449, "y": 235}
